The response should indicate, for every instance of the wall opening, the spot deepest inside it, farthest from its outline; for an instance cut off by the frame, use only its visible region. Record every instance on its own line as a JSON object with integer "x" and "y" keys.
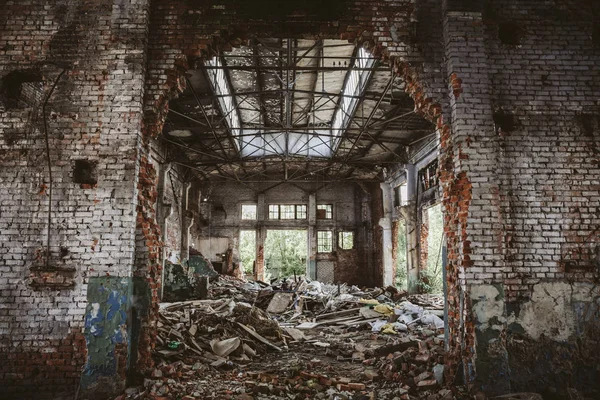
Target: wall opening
{"x": 431, "y": 274}
{"x": 401, "y": 279}
{"x": 84, "y": 172}
{"x": 248, "y": 252}
{"x": 21, "y": 89}
{"x": 286, "y": 253}
{"x": 509, "y": 33}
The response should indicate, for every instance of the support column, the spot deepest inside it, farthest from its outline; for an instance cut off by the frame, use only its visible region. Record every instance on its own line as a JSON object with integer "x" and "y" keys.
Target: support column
{"x": 409, "y": 213}
{"x": 163, "y": 211}
{"x": 475, "y": 237}
{"x": 261, "y": 235}
{"x": 312, "y": 236}
{"x": 186, "y": 224}
{"x": 386, "y": 224}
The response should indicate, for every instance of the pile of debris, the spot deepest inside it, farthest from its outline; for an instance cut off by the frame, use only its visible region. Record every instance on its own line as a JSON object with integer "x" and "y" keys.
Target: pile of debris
{"x": 216, "y": 331}
{"x": 296, "y": 340}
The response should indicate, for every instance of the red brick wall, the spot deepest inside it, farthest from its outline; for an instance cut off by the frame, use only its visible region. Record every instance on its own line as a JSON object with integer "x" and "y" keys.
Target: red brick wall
{"x": 94, "y": 115}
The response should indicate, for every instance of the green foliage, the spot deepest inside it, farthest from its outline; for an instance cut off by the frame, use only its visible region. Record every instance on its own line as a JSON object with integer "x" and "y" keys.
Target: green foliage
{"x": 431, "y": 279}
{"x": 401, "y": 266}
{"x": 285, "y": 253}
{"x": 248, "y": 250}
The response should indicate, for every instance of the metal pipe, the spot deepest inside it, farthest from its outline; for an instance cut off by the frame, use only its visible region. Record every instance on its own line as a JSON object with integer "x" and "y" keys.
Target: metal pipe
{"x": 50, "y": 180}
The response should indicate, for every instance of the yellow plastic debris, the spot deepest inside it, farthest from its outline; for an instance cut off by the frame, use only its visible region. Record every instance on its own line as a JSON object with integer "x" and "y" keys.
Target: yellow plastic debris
{"x": 384, "y": 309}
{"x": 369, "y": 301}
{"x": 389, "y": 329}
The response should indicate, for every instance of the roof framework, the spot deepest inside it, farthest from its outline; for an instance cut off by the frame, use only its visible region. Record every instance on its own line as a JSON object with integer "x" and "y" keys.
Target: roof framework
{"x": 287, "y": 110}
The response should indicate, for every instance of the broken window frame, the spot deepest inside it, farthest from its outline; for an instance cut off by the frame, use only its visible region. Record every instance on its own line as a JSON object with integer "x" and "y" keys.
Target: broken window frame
{"x": 324, "y": 241}
{"x": 254, "y": 213}
{"x": 346, "y": 240}
{"x": 428, "y": 176}
{"x": 328, "y": 210}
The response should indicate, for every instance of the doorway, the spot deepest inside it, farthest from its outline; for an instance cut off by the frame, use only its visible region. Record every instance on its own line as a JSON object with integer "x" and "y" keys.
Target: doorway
{"x": 431, "y": 279}
{"x": 286, "y": 253}
{"x": 248, "y": 252}
{"x": 401, "y": 278}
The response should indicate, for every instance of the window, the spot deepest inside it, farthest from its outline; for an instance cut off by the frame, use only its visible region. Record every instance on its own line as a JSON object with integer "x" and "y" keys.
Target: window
{"x": 400, "y": 195}
{"x": 301, "y": 211}
{"x": 324, "y": 211}
{"x": 287, "y": 211}
{"x": 346, "y": 240}
{"x": 428, "y": 176}
{"x": 324, "y": 241}
{"x": 248, "y": 211}
{"x": 273, "y": 211}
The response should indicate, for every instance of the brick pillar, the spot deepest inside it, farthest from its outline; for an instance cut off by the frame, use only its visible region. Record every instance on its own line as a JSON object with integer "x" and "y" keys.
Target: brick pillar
{"x": 475, "y": 239}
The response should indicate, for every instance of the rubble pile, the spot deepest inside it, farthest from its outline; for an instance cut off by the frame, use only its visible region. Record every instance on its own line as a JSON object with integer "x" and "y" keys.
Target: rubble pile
{"x": 299, "y": 339}
{"x": 216, "y": 331}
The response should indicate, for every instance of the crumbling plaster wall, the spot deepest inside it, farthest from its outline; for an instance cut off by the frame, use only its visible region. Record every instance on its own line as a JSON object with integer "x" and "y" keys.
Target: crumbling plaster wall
{"x": 543, "y": 90}
{"x": 93, "y": 115}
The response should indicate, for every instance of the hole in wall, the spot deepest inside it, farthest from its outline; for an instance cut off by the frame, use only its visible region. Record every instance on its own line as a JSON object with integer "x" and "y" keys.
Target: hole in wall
{"x": 84, "y": 172}
{"x": 546, "y": 80}
{"x": 21, "y": 89}
{"x": 587, "y": 123}
{"x": 504, "y": 123}
{"x": 64, "y": 252}
{"x": 510, "y": 33}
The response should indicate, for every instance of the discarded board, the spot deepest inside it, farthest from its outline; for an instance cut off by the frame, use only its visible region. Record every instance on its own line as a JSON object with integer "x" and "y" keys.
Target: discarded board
{"x": 258, "y": 337}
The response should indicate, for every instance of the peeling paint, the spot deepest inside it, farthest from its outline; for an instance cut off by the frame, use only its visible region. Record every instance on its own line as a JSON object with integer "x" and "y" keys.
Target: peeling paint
{"x": 555, "y": 310}
{"x": 106, "y": 333}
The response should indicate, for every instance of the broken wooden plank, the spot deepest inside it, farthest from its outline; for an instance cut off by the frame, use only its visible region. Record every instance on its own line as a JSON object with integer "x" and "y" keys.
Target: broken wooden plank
{"x": 258, "y": 337}
{"x": 339, "y": 313}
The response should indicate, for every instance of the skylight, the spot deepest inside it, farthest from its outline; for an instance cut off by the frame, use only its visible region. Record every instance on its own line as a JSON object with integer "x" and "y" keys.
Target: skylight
{"x": 355, "y": 84}
{"x": 219, "y": 83}
{"x": 309, "y": 141}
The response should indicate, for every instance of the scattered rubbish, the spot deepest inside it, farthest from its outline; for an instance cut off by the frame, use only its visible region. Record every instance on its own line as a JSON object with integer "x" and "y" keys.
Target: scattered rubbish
{"x": 298, "y": 338}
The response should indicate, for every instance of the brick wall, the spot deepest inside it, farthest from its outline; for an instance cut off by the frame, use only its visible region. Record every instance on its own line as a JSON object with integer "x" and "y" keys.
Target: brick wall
{"x": 523, "y": 145}
{"x": 94, "y": 115}
{"x": 512, "y": 88}
{"x": 545, "y": 96}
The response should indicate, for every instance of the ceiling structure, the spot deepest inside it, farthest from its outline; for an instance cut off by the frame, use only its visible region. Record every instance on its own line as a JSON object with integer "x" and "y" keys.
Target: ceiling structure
{"x": 292, "y": 110}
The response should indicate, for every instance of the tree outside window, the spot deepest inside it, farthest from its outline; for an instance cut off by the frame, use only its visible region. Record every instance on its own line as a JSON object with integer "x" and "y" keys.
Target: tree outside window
{"x": 346, "y": 240}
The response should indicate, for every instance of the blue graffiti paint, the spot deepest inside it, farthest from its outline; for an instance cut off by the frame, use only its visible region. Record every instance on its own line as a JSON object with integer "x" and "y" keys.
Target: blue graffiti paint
{"x": 105, "y": 326}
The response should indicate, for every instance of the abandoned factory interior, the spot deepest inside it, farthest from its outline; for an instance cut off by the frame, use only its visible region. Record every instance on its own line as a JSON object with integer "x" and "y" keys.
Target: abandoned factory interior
{"x": 278, "y": 199}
